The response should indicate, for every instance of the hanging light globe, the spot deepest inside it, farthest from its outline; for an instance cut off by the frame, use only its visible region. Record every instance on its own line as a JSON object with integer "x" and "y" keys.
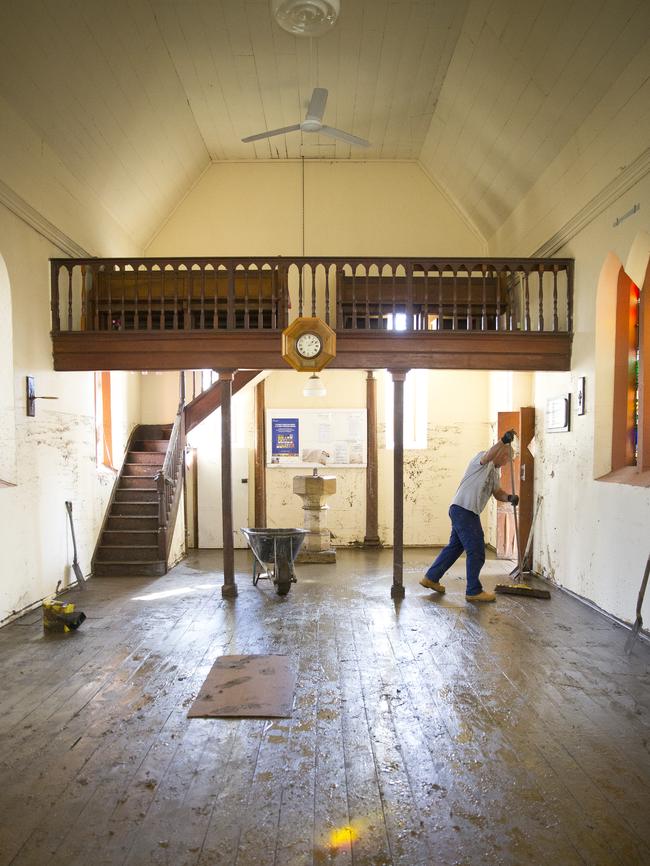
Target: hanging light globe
{"x": 306, "y": 17}
{"x": 314, "y": 387}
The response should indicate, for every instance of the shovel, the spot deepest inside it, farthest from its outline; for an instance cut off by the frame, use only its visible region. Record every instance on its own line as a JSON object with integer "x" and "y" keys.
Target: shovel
{"x": 81, "y": 581}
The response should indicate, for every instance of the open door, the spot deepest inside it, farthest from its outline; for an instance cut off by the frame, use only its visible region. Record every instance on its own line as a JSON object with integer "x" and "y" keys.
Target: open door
{"x": 523, "y": 423}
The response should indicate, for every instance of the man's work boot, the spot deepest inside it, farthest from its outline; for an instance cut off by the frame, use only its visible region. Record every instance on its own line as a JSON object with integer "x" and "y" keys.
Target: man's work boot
{"x": 433, "y": 584}
{"x": 482, "y": 596}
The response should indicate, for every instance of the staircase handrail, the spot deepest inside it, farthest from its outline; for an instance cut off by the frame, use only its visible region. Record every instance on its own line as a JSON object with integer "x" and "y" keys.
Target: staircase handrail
{"x": 167, "y": 477}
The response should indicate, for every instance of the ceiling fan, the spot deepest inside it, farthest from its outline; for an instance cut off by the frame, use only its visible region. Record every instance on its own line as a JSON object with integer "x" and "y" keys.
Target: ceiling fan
{"x": 313, "y": 122}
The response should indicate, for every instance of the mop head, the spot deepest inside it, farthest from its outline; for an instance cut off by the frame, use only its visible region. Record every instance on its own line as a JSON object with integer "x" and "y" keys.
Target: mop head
{"x": 521, "y": 589}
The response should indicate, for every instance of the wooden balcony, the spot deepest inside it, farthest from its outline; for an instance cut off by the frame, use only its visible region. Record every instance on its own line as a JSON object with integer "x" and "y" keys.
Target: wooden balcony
{"x": 229, "y": 313}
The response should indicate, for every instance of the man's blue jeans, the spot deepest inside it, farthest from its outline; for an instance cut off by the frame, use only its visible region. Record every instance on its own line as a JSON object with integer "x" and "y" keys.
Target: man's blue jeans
{"x": 466, "y": 535}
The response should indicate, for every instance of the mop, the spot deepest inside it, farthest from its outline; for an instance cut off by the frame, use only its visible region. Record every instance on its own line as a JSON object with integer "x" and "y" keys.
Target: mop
{"x": 515, "y": 574}
{"x": 519, "y": 587}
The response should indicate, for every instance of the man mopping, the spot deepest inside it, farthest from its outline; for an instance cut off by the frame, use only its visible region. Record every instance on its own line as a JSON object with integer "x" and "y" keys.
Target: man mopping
{"x": 480, "y": 481}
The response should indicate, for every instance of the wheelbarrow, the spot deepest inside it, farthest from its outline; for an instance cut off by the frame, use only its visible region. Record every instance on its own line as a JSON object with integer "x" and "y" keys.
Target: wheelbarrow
{"x": 274, "y": 551}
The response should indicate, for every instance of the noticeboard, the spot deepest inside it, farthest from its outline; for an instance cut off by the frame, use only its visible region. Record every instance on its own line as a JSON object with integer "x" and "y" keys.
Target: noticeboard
{"x": 316, "y": 437}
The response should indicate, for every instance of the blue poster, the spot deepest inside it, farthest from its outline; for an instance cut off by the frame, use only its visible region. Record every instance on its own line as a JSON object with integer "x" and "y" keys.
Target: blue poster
{"x": 284, "y": 437}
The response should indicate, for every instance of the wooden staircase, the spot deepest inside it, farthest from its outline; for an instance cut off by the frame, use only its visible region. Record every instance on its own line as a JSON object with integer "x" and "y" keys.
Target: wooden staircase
{"x": 129, "y": 542}
{"x": 138, "y": 527}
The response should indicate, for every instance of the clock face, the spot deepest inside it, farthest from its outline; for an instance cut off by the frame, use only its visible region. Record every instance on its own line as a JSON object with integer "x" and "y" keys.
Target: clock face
{"x": 309, "y": 345}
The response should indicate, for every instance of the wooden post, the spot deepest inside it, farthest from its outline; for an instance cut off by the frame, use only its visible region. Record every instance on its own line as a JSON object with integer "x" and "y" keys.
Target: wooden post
{"x": 372, "y": 486}
{"x": 229, "y": 588}
{"x": 397, "y": 589}
{"x": 260, "y": 462}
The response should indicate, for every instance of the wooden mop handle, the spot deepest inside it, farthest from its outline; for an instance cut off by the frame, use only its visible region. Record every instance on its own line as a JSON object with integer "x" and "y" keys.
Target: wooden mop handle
{"x": 514, "y": 511}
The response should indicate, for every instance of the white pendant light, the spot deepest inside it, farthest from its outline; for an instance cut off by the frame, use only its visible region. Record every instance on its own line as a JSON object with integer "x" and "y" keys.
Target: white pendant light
{"x": 314, "y": 387}
{"x": 306, "y": 17}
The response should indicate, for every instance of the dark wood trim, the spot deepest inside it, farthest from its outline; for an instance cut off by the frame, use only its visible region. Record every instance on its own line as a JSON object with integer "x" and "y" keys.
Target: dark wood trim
{"x": 622, "y": 454}
{"x": 644, "y": 377}
{"x": 526, "y": 484}
{"x": 229, "y": 588}
{"x": 260, "y": 456}
{"x": 397, "y": 589}
{"x": 355, "y": 351}
{"x": 372, "y": 473}
{"x": 208, "y": 401}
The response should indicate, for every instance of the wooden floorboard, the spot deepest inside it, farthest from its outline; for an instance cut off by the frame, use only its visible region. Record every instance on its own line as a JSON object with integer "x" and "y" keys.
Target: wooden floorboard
{"x": 431, "y": 731}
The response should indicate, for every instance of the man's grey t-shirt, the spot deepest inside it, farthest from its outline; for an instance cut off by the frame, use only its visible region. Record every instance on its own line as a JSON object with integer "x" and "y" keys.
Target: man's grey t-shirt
{"x": 477, "y": 485}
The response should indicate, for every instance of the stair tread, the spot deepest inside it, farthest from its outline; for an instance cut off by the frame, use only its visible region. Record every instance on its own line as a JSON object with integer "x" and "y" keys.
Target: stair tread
{"x": 122, "y": 562}
{"x": 134, "y": 516}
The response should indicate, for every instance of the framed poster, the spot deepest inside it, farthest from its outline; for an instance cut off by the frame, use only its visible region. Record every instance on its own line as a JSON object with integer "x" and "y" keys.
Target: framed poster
{"x": 316, "y": 437}
{"x": 285, "y": 435}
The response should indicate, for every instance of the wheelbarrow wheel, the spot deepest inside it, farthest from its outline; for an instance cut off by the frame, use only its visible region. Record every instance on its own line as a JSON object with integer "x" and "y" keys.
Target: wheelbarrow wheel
{"x": 283, "y": 576}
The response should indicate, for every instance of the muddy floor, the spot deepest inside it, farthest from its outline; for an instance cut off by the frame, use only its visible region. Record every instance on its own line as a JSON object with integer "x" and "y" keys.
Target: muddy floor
{"x": 431, "y": 732}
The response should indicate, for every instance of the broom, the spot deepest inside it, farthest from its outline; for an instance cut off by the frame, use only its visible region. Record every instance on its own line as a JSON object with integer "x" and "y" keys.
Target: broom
{"x": 638, "y": 622}
{"x": 519, "y": 587}
{"x": 76, "y": 568}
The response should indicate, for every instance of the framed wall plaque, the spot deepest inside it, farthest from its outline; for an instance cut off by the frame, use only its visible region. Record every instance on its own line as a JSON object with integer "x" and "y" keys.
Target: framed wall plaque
{"x": 558, "y": 414}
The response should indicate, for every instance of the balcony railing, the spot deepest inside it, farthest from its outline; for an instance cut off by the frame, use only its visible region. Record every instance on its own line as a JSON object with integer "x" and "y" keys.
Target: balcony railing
{"x": 351, "y": 294}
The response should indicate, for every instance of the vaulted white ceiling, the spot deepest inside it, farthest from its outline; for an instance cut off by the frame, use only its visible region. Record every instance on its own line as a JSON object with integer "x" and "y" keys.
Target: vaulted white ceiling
{"x": 135, "y": 97}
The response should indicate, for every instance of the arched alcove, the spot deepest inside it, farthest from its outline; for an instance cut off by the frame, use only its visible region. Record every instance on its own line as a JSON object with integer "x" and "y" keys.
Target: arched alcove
{"x": 7, "y": 408}
{"x": 611, "y": 321}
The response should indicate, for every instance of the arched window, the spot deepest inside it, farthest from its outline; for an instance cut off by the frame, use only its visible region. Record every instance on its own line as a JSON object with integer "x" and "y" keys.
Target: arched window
{"x": 622, "y": 366}
{"x": 625, "y": 432}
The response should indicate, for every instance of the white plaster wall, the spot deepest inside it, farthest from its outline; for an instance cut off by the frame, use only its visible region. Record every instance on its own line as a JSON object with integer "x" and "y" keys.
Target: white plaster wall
{"x": 351, "y": 208}
{"x": 457, "y": 428}
{"x": 592, "y": 536}
{"x": 346, "y": 517}
{"x": 160, "y": 397}
{"x": 55, "y": 451}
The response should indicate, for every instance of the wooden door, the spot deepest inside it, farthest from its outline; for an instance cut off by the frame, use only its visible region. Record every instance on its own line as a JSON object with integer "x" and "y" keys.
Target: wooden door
{"x": 523, "y": 423}
{"x": 506, "y": 548}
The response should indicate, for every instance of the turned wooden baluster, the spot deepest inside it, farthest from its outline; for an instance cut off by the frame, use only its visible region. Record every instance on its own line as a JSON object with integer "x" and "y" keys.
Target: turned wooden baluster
{"x": 483, "y": 299}
{"x": 454, "y": 320}
{"x": 497, "y": 276}
{"x": 526, "y": 302}
{"x": 328, "y": 276}
{"x": 540, "y": 276}
{"x": 69, "y": 270}
{"x": 202, "y": 299}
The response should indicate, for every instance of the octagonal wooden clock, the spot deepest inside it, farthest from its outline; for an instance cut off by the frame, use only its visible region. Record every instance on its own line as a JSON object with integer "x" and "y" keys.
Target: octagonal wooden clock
{"x": 308, "y": 344}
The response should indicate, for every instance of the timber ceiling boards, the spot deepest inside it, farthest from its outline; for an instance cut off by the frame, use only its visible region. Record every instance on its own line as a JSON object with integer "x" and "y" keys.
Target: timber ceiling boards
{"x": 526, "y": 78}
{"x": 135, "y": 97}
{"x": 383, "y": 64}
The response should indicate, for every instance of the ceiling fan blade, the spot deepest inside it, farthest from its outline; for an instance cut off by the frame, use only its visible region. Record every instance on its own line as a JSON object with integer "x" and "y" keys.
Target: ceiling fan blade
{"x": 272, "y": 132}
{"x": 317, "y": 104}
{"x": 343, "y": 136}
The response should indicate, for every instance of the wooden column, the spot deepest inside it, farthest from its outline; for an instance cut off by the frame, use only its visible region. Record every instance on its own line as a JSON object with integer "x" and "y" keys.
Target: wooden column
{"x": 229, "y": 588}
{"x": 397, "y": 589}
{"x": 260, "y": 462}
{"x": 372, "y": 476}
